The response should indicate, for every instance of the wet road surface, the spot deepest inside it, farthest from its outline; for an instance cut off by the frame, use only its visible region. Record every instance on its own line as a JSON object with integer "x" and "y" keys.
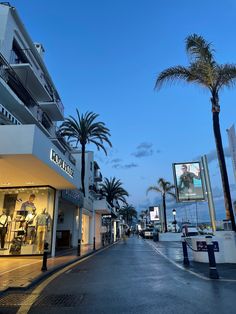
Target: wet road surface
{"x": 129, "y": 278}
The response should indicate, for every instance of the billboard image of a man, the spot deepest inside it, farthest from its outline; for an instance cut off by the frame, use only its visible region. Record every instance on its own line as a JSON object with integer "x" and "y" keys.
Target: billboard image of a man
{"x": 188, "y": 181}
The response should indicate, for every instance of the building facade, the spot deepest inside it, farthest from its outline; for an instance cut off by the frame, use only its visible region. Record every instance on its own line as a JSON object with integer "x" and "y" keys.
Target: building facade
{"x": 40, "y": 185}
{"x": 35, "y": 165}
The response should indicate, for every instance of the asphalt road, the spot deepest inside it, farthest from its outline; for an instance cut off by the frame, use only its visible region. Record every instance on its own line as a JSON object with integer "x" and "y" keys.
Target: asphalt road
{"x": 132, "y": 278}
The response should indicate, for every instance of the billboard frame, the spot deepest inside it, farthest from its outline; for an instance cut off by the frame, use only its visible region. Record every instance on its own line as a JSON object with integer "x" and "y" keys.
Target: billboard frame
{"x": 177, "y": 194}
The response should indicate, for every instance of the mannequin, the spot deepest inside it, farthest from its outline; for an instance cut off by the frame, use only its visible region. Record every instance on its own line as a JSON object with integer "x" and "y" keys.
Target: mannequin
{"x": 41, "y": 226}
{"x": 5, "y": 218}
{"x": 31, "y": 226}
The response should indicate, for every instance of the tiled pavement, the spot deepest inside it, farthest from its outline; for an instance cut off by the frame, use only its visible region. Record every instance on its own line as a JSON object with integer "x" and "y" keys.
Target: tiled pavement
{"x": 20, "y": 272}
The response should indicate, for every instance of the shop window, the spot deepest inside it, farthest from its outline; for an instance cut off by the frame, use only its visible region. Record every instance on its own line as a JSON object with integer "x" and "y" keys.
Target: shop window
{"x": 26, "y": 220}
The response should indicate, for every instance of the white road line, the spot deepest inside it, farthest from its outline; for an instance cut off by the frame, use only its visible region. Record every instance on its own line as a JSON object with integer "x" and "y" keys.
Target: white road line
{"x": 177, "y": 265}
{"x": 188, "y": 270}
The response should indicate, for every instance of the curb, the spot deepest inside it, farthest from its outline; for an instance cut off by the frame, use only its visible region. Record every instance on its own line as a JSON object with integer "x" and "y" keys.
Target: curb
{"x": 48, "y": 273}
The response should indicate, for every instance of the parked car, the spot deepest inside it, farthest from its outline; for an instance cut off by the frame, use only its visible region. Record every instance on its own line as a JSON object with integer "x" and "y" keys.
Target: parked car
{"x": 189, "y": 230}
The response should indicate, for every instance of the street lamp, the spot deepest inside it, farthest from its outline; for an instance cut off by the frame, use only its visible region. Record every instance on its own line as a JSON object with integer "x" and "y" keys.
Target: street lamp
{"x": 174, "y": 222}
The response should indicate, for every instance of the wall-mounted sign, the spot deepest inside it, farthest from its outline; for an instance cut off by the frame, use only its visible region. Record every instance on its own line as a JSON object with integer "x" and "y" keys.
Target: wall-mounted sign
{"x": 202, "y": 246}
{"x": 106, "y": 216}
{"x": 74, "y": 196}
{"x": 61, "y": 163}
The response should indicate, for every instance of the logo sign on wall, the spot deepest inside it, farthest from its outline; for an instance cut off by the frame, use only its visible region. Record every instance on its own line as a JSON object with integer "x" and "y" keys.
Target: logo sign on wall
{"x": 188, "y": 182}
{"x": 154, "y": 213}
{"x": 61, "y": 163}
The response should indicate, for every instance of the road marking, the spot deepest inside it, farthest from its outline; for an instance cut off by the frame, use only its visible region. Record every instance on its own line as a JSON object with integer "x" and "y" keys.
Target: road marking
{"x": 188, "y": 270}
{"x": 24, "y": 309}
{"x": 177, "y": 265}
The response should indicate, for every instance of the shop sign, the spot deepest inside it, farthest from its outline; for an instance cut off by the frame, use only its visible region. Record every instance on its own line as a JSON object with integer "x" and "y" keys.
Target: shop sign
{"x": 61, "y": 163}
{"x": 106, "y": 216}
{"x": 73, "y": 196}
{"x": 202, "y": 246}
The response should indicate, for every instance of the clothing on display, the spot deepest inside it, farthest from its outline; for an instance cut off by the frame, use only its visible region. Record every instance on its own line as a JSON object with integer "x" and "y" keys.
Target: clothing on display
{"x": 4, "y": 220}
{"x": 25, "y": 221}
{"x": 42, "y": 228}
{"x": 31, "y": 227}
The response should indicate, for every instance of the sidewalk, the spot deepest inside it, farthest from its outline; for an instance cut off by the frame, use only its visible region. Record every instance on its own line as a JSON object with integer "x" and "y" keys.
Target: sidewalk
{"x": 20, "y": 272}
{"x": 173, "y": 251}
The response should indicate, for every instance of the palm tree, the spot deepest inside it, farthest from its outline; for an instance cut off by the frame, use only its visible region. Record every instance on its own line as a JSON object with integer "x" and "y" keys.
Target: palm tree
{"x": 85, "y": 130}
{"x": 164, "y": 188}
{"x": 203, "y": 70}
{"x": 128, "y": 212}
{"x": 113, "y": 191}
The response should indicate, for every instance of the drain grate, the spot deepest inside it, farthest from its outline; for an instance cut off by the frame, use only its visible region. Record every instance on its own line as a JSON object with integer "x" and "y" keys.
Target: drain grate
{"x": 59, "y": 300}
{"x": 16, "y": 299}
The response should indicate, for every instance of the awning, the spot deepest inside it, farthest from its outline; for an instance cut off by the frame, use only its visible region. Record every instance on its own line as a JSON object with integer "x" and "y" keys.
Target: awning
{"x": 28, "y": 158}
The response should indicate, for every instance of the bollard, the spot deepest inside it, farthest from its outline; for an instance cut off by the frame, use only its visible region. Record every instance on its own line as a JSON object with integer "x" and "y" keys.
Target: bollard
{"x": 213, "y": 273}
{"x": 45, "y": 257}
{"x": 94, "y": 245}
{"x": 79, "y": 247}
{"x": 185, "y": 251}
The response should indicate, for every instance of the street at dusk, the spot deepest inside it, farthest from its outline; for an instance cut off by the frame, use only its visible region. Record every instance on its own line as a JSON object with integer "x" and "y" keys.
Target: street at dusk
{"x": 117, "y": 157}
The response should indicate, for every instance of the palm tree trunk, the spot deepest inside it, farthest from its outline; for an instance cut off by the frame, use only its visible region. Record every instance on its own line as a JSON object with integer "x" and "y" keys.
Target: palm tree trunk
{"x": 83, "y": 167}
{"x": 164, "y": 210}
{"x": 222, "y": 165}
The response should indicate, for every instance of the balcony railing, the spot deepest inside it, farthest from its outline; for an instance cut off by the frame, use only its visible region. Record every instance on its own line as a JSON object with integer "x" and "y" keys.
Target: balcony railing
{"x": 7, "y": 115}
{"x": 13, "y": 81}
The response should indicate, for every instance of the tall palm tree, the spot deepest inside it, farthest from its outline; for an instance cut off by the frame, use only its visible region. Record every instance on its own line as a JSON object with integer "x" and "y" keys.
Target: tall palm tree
{"x": 113, "y": 191}
{"x": 128, "y": 212}
{"x": 85, "y": 130}
{"x": 164, "y": 188}
{"x": 203, "y": 70}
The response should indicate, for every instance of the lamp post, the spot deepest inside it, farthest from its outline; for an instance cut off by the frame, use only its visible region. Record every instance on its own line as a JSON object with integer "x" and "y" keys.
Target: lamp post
{"x": 174, "y": 214}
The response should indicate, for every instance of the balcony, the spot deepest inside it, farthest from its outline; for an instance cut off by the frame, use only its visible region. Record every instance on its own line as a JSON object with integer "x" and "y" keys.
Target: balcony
{"x": 97, "y": 176}
{"x": 32, "y": 82}
{"x": 102, "y": 207}
{"x": 54, "y": 109}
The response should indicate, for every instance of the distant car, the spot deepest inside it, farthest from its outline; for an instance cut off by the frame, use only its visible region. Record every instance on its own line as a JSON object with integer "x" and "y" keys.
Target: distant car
{"x": 189, "y": 230}
{"x": 147, "y": 233}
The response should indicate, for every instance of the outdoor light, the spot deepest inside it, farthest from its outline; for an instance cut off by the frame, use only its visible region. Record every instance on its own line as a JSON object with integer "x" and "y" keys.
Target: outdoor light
{"x": 174, "y": 222}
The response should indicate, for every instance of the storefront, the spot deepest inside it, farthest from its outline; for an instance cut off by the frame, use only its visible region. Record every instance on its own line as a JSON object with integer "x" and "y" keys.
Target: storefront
{"x": 26, "y": 220}
{"x": 86, "y": 222}
{"x": 33, "y": 171}
{"x": 70, "y": 202}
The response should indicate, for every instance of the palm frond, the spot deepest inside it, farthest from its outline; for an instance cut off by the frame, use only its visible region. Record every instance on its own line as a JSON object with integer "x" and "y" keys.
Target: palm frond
{"x": 198, "y": 48}
{"x": 172, "y": 75}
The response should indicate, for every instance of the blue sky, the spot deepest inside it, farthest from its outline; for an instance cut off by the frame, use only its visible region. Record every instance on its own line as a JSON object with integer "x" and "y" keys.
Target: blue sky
{"x": 104, "y": 56}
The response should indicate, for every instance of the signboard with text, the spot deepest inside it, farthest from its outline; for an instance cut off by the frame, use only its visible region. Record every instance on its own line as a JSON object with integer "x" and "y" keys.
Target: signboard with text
{"x": 202, "y": 246}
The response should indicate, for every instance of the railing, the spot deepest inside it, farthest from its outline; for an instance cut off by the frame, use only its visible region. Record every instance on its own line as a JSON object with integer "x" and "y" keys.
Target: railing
{"x": 8, "y": 115}
{"x": 12, "y": 80}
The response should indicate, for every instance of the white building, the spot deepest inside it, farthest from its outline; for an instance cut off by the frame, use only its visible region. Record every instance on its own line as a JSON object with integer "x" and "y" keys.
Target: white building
{"x": 40, "y": 197}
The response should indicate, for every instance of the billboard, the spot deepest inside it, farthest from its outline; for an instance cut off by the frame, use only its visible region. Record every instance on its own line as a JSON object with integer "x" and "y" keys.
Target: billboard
{"x": 154, "y": 213}
{"x": 188, "y": 182}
